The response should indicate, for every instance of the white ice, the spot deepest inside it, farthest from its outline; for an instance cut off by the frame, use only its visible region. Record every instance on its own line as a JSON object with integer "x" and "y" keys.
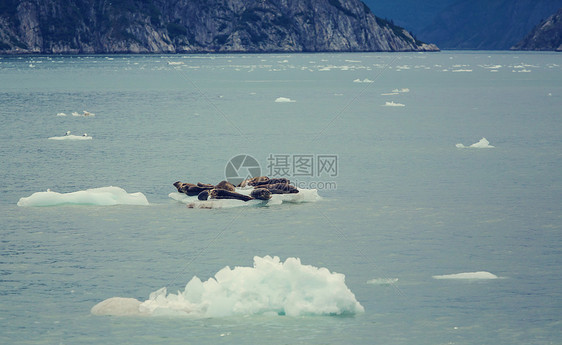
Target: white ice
{"x": 284, "y": 100}
{"x": 482, "y": 144}
{"x": 468, "y": 275}
{"x": 393, "y": 104}
{"x": 382, "y": 281}
{"x": 364, "y": 81}
{"x": 270, "y": 287}
{"x": 104, "y": 196}
{"x": 72, "y": 137}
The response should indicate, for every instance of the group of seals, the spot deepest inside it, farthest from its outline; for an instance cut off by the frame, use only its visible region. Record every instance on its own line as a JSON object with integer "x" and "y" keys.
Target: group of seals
{"x": 264, "y": 187}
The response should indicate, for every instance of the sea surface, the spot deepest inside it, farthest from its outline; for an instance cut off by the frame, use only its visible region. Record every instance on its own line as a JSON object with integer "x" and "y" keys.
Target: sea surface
{"x": 439, "y": 243}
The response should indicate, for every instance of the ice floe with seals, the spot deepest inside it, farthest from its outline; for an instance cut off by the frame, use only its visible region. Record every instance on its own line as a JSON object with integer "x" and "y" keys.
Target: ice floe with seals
{"x": 254, "y": 191}
{"x": 303, "y": 196}
{"x": 284, "y": 100}
{"x": 480, "y": 275}
{"x": 103, "y": 196}
{"x": 482, "y": 144}
{"x": 69, "y": 136}
{"x": 270, "y": 287}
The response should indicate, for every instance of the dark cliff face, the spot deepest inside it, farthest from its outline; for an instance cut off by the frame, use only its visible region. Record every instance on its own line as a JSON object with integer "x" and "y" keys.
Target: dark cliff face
{"x": 545, "y": 36}
{"x": 486, "y": 24}
{"x": 191, "y": 26}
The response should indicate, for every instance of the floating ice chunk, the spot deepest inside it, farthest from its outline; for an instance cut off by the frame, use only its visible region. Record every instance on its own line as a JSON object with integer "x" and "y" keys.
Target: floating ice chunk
{"x": 87, "y": 113}
{"x": 482, "y": 144}
{"x": 390, "y": 94}
{"x": 363, "y": 81}
{"x": 382, "y": 281}
{"x": 105, "y": 196}
{"x": 61, "y": 114}
{"x": 118, "y": 306}
{"x": 270, "y": 287}
{"x": 72, "y": 137}
{"x": 175, "y": 63}
{"x": 405, "y": 90}
{"x": 284, "y": 100}
{"x": 461, "y": 70}
{"x": 75, "y": 114}
{"x": 392, "y": 104}
{"x": 468, "y": 275}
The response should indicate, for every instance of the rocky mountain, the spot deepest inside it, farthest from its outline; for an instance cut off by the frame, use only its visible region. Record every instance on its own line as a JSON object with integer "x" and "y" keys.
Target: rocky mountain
{"x": 413, "y": 15}
{"x": 194, "y": 26}
{"x": 545, "y": 36}
{"x": 486, "y": 24}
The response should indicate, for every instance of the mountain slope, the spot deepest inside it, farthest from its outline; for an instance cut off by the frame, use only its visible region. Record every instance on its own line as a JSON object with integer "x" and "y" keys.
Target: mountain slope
{"x": 485, "y": 24}
{"x": 183, "y": 26}
{"x": 414, "y": 15}
{"x": 545, "y": 36}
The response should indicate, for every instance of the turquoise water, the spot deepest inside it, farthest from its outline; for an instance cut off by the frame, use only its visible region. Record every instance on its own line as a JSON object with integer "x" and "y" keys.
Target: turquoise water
{"x": 408, "y": 204}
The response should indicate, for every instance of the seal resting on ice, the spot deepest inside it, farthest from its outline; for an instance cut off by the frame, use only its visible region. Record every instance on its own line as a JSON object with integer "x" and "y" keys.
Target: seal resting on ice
{"x": 225, "y": 185}
{"x": 261, "y": 180}
{"x": 279, "y": 188}
{"x": 190, "y": 188}
{"x": 253, "y": 181}
{"x": 261, "y": 194}
{"x": 204, "y": 195}
{"x": 226, "y": 194}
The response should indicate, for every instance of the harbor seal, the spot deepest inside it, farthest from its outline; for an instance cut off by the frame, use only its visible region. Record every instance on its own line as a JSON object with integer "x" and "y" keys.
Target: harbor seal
{"x": 226, "y": 194}
{"x": 252, "y": 181}
{"x": 261, "y": 180}
{"x": 204, "y": 195}
{"x": 189, "y": 188}
{"x": 272, "y": 181}
{"x": 279, "y": 188}
{"x": 261, "y": 194}
{"x": 225, "y": 185}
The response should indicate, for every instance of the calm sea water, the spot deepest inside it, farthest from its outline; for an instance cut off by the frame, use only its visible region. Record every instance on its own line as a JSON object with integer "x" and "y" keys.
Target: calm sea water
{"x": 407, "y": 204}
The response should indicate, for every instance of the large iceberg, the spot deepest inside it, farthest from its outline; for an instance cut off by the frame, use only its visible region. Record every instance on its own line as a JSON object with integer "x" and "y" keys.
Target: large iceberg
{"x": 270, "y": 287}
